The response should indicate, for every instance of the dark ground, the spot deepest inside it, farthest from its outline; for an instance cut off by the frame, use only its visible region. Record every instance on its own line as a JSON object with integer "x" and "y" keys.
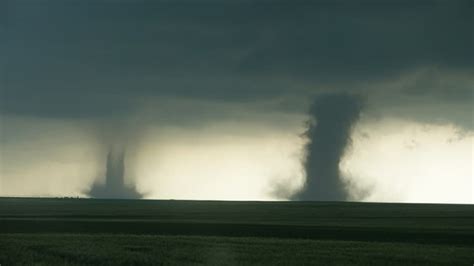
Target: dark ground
{"x": 127, "y": 232}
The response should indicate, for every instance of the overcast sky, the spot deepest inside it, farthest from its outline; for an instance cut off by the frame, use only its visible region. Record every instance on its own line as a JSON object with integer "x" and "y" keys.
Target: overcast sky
{"x": 224, "y": 88}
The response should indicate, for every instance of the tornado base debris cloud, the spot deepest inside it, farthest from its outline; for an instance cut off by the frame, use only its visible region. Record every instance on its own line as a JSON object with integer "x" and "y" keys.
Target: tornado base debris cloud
{"x": 114, "y": 186}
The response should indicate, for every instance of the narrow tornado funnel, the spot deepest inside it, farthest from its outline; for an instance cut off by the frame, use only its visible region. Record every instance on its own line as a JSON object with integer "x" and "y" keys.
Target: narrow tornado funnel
{"x": 329, "y": 131}
{"x": 114, "y": 186}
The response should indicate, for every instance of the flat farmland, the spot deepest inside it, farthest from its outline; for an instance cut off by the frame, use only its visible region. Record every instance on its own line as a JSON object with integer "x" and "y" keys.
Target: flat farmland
{"x": 45, "y": 231}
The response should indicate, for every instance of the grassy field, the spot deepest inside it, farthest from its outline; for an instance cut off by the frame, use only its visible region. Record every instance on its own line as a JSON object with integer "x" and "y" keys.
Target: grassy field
{"x": 138, "y": 232}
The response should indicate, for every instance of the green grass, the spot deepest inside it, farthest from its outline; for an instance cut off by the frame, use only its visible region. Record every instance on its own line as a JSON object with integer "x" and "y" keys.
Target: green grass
{"x": 70, "y": 249}
{"x": 148, "y": 232}
{"x": 293, "y": 213}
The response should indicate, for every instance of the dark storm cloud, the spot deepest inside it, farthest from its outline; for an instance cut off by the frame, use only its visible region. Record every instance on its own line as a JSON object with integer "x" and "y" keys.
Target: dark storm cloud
{"x": 100, "y": 58}
{"x": 120, "y": 65}
{"x": 329, "y": 131}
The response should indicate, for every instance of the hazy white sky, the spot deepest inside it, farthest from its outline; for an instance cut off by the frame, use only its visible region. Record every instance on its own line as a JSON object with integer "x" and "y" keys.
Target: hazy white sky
{"x": 390, "y": 159}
